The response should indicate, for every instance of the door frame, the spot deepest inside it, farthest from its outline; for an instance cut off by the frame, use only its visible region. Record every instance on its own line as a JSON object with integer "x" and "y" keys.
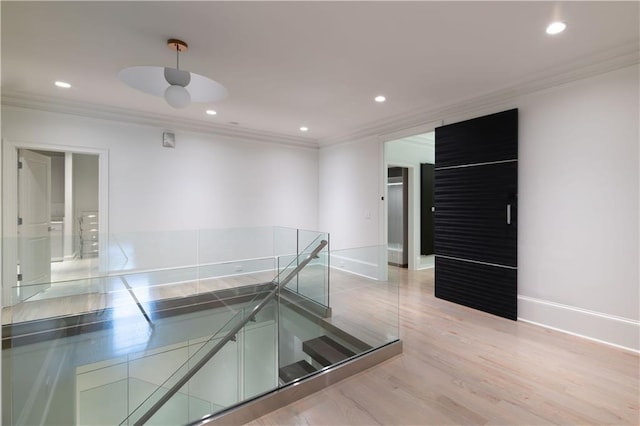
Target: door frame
{"x": 414, "y": 193}
{"x": 9, "y": 198}
{"x": 413, "y": 225}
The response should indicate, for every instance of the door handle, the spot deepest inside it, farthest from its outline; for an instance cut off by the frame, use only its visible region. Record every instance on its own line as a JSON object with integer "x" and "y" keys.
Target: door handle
{"x": 508, "y": 214}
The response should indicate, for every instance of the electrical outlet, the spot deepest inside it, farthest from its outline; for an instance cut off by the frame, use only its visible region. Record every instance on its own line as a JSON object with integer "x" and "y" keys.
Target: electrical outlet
{"x": 238, "y": 268}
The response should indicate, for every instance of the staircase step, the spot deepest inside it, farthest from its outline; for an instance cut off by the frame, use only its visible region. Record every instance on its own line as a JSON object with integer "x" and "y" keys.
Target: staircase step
{"x": 326, "y": 351}
{"x": 290, "y": 372}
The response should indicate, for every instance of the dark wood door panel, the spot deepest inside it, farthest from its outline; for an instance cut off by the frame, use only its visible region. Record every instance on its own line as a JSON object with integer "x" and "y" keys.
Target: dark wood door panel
{"x": 485, "y": 139}
{"x": 484, "y": 287}
{"x": 476, "y": 213}
{"x": 476, "y": 217}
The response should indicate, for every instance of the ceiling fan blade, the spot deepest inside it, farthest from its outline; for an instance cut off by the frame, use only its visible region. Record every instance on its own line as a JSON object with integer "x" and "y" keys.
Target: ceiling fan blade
{"x": 203, "y": 89}
{"x": 147, "y": 79}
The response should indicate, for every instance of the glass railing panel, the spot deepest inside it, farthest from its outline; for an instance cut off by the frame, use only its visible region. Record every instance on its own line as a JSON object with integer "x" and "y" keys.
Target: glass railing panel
{"x": 240, "y": 251}
{"x": 312, "y": 282}
{"x": 80, "y": 296}
{"x": 285, "y": 242}
{"x": 364, "y": 301}
{"x": 237, "y": 273}
{"x": 215, "y": 383}
{"x": 260, "y": 352}
{"x": 118, "y": 303}
{"x": 224, "y": 245}
{"x": 357, "y": 312}
{"x": 296, "y": 326}
{"x": 63, "y": 298}
{"x": 142, "y": 251}
{"x": 299, "y": 323}
{"x": 55, "y": 379}
{"x": 365, "y": 294}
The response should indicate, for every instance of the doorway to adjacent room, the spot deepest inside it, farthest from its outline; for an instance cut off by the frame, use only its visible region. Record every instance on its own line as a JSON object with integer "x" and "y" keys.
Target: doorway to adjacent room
{"x": 53, "y": 207}
{"x": 409, "y": 163}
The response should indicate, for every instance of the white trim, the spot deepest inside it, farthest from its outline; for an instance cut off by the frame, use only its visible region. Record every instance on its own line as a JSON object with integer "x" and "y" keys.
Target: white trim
{"x": 347, "y": 271}
{"x": 487, "y": 163}
{"x": 606, "y": 61}
{"x": 497, "y": 265}
{"x": 424, "y": 268}
{"x": 579, "y": 335}
{"x": 357, "y": 267}
{"x": 412, "y": 131}
{"x": 597, "y": 326}
{"x": 122, "y": 115}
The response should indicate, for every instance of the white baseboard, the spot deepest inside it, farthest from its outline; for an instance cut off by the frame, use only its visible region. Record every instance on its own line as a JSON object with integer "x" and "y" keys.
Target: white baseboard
{"x": 609, "y": 329}
{"x": 356, "y": 266}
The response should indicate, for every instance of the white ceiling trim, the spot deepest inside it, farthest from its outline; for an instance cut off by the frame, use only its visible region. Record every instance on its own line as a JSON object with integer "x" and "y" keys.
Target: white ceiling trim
{"x": 84, "y": 109}
{"x": 624, "y": 56}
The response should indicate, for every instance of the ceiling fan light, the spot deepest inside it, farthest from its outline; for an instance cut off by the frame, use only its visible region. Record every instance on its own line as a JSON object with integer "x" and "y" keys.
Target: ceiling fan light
{"x": 178, "y": 77}
{"x": 177, "y": 96}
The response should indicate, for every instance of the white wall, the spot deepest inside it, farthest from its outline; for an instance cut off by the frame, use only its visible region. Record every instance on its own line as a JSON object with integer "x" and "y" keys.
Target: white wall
{"x": 350, "y": 191}
{"x": 205, "y": 182}
{"x": 578, "y": 207}
{"x": 578, "y": 204}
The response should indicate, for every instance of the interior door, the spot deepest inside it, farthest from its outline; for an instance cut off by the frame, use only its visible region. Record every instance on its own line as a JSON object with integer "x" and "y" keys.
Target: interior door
{"x": 34, "y": 221}
{"x": 476, "y": 222}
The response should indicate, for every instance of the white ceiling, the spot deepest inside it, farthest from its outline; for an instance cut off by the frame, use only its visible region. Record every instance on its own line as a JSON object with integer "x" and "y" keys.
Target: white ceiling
{"x": 319, "y": 64}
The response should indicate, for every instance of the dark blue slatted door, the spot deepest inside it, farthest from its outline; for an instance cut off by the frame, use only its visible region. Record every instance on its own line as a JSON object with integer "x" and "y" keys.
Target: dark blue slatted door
{"x": 476, "y": 221}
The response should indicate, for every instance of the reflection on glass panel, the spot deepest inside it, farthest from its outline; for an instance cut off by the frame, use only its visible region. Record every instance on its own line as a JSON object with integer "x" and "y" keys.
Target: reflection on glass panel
{"x": 361, "y": 284}
{"x": 105, "y": 340}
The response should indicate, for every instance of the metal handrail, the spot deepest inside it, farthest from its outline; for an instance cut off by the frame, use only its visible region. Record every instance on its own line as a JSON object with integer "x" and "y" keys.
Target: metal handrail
{"x": 229, "y": 336}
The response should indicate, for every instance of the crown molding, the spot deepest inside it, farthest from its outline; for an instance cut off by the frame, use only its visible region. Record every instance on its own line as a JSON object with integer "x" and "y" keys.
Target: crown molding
{"x": 122, "y": 115}
{"x": 613, "y": 59}
{"x": 621, "y": 57}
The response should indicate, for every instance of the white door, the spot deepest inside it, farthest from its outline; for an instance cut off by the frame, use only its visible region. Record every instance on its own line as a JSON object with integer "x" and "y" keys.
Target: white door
{"x": 34, "y": 213}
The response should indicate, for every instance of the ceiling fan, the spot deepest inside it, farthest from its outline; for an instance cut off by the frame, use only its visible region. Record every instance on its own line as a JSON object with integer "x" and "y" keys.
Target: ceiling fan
{"x": 178, "y": 87}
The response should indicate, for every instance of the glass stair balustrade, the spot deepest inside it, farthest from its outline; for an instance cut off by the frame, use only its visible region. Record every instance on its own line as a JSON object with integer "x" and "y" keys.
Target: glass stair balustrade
{"x": 175, "y": 345}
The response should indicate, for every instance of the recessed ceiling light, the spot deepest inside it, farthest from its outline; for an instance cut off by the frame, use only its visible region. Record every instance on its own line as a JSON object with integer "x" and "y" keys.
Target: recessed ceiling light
{"x": 62, "y": 84}
{"x": 556, "y": 27}
{"x": 211, "y": 112}
{"x": 304, "y": 129}
{"x": 380, "y": 98}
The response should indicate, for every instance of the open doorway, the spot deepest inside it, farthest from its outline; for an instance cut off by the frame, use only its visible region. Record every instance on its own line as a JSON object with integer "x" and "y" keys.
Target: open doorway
{"x": 398, "y": 216}
{"x": 58, "y": 197}
{"x": 74, "y": 216}
{"x": 416, "y": 155}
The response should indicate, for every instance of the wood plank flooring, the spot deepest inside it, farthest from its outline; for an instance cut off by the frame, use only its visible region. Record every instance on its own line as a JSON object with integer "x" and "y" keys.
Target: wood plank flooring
{"x": 462, "y": 366}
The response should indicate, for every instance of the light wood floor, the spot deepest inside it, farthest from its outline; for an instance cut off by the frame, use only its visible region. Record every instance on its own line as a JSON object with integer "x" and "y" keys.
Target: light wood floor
{"x": 461, "y": 366}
